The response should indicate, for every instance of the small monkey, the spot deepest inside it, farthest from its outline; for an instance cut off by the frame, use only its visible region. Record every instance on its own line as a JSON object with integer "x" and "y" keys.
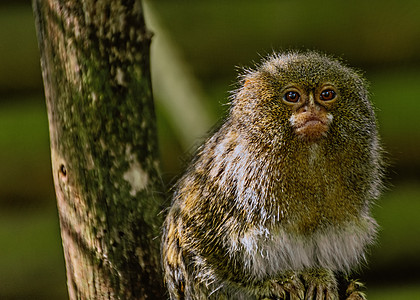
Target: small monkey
{"x": 276, "y": 203}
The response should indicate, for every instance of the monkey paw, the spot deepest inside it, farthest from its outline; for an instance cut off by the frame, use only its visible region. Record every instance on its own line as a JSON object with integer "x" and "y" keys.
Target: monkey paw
{"x": 353, "y": 291}
{"x": 320, "y": 285}
{"x": 288, "y": 286}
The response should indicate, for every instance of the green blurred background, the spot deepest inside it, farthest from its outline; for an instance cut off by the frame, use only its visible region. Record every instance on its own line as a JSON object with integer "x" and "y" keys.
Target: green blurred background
{"x": 196, "y": 52}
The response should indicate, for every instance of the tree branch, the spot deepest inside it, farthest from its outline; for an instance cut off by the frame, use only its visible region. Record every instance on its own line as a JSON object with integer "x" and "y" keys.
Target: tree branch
{"x": 95, "y": 66}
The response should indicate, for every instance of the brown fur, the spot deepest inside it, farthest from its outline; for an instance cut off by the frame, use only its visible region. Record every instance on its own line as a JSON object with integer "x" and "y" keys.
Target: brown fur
{"x": 278, "y": 199}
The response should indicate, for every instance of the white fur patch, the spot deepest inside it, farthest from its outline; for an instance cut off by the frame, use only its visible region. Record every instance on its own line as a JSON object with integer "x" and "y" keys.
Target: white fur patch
{"x": 267, "y": 253}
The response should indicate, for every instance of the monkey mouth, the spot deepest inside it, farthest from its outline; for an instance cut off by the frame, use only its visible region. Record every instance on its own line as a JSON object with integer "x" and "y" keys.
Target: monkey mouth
{"x": 311, "y": 127}
{"x": 312, "y": 122}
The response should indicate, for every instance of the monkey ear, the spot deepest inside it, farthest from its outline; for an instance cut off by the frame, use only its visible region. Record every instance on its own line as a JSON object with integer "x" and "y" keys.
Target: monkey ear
{"x": 247, "y": 82}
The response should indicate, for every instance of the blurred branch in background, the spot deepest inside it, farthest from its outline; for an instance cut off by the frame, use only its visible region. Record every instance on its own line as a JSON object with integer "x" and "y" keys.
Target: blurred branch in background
{"x": 176, "y": 90}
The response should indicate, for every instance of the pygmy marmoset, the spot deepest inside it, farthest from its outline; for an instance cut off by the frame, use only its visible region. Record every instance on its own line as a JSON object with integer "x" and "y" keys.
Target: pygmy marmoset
{"x": 276, "y": 203}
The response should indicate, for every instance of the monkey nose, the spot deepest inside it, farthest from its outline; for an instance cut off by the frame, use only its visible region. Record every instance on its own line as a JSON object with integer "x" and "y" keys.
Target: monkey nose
{"x": 308, "y": 108}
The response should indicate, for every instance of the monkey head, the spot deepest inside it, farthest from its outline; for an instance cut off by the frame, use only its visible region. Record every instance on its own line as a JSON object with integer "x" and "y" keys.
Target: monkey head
{"x": 303, "y": 96}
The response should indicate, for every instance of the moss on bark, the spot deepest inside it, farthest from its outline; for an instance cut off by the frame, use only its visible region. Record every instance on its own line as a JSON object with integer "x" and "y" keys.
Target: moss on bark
{"x": 95, "y": 65}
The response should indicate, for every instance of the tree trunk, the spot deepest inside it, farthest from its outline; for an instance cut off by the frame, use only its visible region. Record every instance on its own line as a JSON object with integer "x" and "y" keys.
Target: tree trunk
{"x": 95, "y": 66}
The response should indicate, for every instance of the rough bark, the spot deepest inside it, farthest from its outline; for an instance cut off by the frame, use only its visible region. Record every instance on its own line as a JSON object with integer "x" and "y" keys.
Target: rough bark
{"x": 95, "y": 67}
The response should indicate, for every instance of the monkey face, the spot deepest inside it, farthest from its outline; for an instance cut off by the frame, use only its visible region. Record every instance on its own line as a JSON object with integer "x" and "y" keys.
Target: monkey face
{"x": 303, "y": 97}
{"x": 310, "y": 117}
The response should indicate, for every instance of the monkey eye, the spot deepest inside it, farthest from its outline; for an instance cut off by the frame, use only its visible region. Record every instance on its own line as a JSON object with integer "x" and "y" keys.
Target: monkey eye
{"x": 327, "y": 95}
{"x": 291, "y": 96}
